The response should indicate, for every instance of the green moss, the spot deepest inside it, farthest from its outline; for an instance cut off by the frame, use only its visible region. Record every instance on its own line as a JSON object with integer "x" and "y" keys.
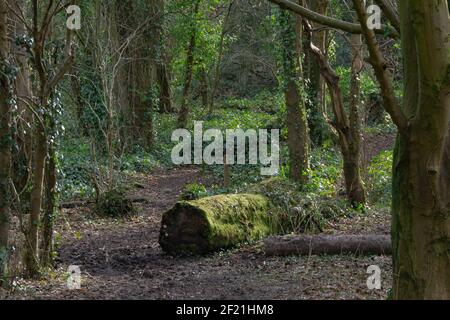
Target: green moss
{"x": 216, "y": 222}
{"x": 274, "y": 206}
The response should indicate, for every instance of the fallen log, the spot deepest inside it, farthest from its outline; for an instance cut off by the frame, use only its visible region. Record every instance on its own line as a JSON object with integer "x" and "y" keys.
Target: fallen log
{"x": 328, "y": 244}
{"x": 212, "y": 223}
{"x": 85, "y": 203}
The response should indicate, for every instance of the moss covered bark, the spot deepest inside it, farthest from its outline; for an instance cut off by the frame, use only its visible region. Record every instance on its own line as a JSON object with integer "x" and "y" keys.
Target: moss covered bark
{"x": 209, "y": 224}
{"x": 6, "y": 79}
{"x": 421, "y": 185}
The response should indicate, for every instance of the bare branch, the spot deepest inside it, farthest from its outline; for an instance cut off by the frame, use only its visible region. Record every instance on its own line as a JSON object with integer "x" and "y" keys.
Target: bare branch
{"x": 381, "y": 71}
{"x": 325, "y": 20}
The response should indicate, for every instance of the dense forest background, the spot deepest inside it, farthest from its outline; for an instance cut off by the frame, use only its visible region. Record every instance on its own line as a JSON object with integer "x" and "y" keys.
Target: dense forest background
{"x": 88, "y": 114}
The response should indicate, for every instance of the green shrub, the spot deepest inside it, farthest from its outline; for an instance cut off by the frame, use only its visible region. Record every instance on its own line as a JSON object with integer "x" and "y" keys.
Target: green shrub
{"x": 114, "y": 204}
{"x": 299, "y": 211}
{"x": 193, "y": 191}
{"x": 380, "y": 178}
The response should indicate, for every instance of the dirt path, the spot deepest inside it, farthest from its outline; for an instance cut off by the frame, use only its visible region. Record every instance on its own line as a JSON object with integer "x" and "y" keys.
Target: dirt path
{"x": 122, "y": 260}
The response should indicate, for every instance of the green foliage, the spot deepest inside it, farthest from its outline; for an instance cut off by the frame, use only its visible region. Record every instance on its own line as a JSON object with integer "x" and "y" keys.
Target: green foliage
{"x": 380, "y": 179}
{"x": 298, "y": 211}
{"x": 325, "y": 171}
{"x": 263, "y": 101}
{"x": 193, "y": 191}
{"x": 114, "y": 204}
{"x": 75, "y": 169}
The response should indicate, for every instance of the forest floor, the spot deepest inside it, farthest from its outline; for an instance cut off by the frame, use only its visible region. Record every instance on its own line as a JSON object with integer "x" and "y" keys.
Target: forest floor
{"x": 121, "y": 259}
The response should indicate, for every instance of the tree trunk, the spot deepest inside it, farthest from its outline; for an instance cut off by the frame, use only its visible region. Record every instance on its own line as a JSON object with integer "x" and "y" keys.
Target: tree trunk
{"x": 421, "y": 169}
{"x": 164, "y": 88}
{"x": 40, "y": 156}
{"x": 421, "y": 185}
{"x": 352, "y": 158}
{"x": 204, "y": 87}
{"x": 296, "y": 114}
{"x": 327, "y": 244}
{"x": 184, "y": 110}
{"x": 6, "y": 79}
{"x": 50, "y": 205}
{"x": 315, "y": 101}
{"x": 216, "y": 79}
{"x": 23, "y": 135}
{"x": 346, "y": 127}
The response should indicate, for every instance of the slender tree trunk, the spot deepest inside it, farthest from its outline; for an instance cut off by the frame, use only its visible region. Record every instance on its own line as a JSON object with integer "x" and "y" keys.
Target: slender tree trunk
{"x": 347, "y": 127}
{"x": 164, "y": 88}
{"x": 40, "y": 156}
{"x": 204, "y": 87}
{"x": 296, "y": 112}
{"x": 163, "y": 74}
{"x": 184, "y": 110}
{"x": 5, "y": 140}
{"x": 216, "y": 79}
{"x": 315, "y": 100}
{"x": 49, "y": 214}
{"x": 23, "y": 133}
{"x": 352, "y": 160}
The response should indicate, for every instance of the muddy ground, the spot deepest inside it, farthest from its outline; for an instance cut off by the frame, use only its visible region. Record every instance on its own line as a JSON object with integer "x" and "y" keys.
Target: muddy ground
{"x": 121, "y": 259}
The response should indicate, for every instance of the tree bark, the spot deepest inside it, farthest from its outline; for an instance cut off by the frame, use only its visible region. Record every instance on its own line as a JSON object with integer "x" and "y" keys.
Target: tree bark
{"x": 324, "y": 20}
{"x": 216, "y": 79}
{"x": 190, "y": 59}
{"x": 46, "y": 85}
{"x": 346, "y": 127}
{"x": 421, "y": 185}
{"x": 23, "y": 134}
{"x": 296, "y": 113}
{"x": 325, "y": 244}
{"x": 315, "y": 101}
{"x": 6, "y": 79}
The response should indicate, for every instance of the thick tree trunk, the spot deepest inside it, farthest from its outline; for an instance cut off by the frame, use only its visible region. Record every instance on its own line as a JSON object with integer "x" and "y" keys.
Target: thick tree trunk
{"x": 327, "y": 244}
{"x": 190, "y": 59}
{"x": 5, "y": 140}
{"x": 421, "y": 188}
{"x": 421, "y": 170}
{"x": 296, "y": 113}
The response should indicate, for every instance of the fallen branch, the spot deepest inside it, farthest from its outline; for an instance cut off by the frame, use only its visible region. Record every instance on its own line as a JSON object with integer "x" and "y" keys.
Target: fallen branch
{"x": 328, "y": 244}
{"x": 85, "y": 203}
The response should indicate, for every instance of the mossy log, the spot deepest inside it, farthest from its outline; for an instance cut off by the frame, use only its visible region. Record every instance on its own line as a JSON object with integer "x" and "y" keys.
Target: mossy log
{"x": 212, "y": 223}
{"x": 328, "y": 244}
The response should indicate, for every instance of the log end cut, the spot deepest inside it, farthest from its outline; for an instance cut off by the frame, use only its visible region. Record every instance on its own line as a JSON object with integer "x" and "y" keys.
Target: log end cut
{"x": 213, "y": 223}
